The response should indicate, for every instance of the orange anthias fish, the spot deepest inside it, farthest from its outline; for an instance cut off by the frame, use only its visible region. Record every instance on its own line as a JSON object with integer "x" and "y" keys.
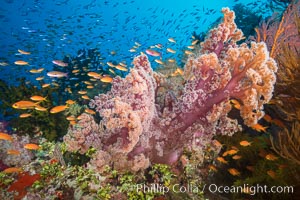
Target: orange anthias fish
{"x": 31, "y": 146}
{"x": 23, "y": 52}
{"x": 121, "y": 68}
{"x": 57, "y": 74}
{"x": 13, "y": 152}
{"x": 71, "y": 118}
{"x": 73, "y": 122}
{"x": 106, "y": 79}
{"x": 153, "y": 53}
{"x": 82, "y": 92}
{"x": 70, "y": 102}
{"x": 187, "y": 52}
{"x": 172, "y": 40}
{"x": 235, "y": 104}
{"x": 222, "y": 160}
{"x": 159, "y": 61}
{"x": 230, "y": 152}
{"x": 94, "y": 75}
{"x": 171, "y": 50}
{"x": 233, "y": 171}
{"x": 38, "y": 98}
{"x": 217, "y": 143}
{"x": 85, "y": 97}
{"x": 236, "y": 157}
{"x": 259, "y": 128}
{"x": 60, "y": 63}
{"x": 212, "y": 168}
{"x": 110, "y": 64}
{"x": 112, "y": 71}
{"x": 40, "y": 108}
{"x": 191, "y": 47}
{"x": 271, "y": 173}
{"x": 245, "y": 143}
{"x": 171, "y": 60}
{"x": 90, "y": 111}
{"x": 21, "y": 62}
{"x": 58, "y": 109}
{"x": 271, "y": 157}
{"x": 45, "y": 85}
{"x": 12, "y": 170}
{"x": 25, "y": 115}
{"x": 5, "y": 136}
{"x": 194, "y": 42}
{"x": 25, "y": 105}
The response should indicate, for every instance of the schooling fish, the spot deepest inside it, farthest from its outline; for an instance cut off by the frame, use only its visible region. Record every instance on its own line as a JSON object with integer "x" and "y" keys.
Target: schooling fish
{"x": 233, "y": 171}
{"x": 25, "y": 105}
{"x": 94, "y": 75}
{"x": 25, "y": 115}
{"x": 106, "y": 79}
{"x": 23, "y": 52}
{"x": 271, "y": 157}
{"x": 38, "y": 98}
{"x": 172, "y": 40}
{"x": 60, "y": 63}
{"x": 57, "y": 74}
{"x": 40, "y": 108}
{"x": 259, "y": 128}
{"x": 90, "y": 111}
{"x": 31, "y": 146}
{"x": 21, "y": 62}
{"x": 245, "y": 143}
{"x": 121, "y": 68}
{"x": 13, "y": 152}
{"x": 4, "y": 136}
{"x": 222, "y": 160}
{"x": 159, "y": 61}
{"x": 153, "y": 52}
{"x": 58, "y": 109}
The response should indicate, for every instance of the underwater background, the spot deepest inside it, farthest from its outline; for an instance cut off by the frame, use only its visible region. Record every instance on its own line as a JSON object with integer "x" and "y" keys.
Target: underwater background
{"x": 150, "y": 99}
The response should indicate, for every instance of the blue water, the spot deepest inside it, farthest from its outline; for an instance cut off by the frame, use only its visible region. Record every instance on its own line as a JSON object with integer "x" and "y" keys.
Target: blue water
{"x": 53, "y": 29}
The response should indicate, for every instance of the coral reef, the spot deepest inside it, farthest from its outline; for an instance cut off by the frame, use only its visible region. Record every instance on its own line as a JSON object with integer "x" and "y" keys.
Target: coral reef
{"x": 137, "y": 131}
{"x": 282, "y": 37}
{"x": 40, "y": 122}
{"x": 79, "y": 65}
{"x": 23, "y": 156}
{"x": 81, "y": 137}
{"x": 255, "y": 162}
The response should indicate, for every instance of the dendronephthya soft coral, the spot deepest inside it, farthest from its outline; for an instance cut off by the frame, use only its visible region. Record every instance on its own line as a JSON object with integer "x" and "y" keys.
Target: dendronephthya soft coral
{"x": 137, "y": 130}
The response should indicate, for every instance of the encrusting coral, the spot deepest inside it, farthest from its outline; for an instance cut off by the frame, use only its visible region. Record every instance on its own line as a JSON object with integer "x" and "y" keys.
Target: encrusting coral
{"x": 138, "y": 131}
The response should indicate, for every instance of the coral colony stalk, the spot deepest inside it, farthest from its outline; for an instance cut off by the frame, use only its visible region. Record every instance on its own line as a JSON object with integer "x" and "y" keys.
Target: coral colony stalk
{"x": 137, "y": 130}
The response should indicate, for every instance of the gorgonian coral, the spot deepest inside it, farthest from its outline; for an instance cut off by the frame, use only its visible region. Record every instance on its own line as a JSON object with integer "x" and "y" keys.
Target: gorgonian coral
{"x": 138, "y": 130}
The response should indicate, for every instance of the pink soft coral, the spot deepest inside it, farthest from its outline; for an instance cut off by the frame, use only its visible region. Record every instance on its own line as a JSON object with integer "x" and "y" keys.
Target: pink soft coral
{"x": 138, "y": 131}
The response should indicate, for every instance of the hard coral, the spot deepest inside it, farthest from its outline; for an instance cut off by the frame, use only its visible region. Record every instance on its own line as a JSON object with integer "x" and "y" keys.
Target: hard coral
{"x": 137, "y": 130}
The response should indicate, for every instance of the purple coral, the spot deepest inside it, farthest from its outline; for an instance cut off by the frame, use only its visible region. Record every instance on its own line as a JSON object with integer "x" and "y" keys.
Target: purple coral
{"x": 139, "y": 131}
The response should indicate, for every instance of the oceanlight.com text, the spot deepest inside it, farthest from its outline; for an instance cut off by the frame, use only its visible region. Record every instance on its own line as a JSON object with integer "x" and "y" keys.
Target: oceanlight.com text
{"x": 250, "y": 189}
